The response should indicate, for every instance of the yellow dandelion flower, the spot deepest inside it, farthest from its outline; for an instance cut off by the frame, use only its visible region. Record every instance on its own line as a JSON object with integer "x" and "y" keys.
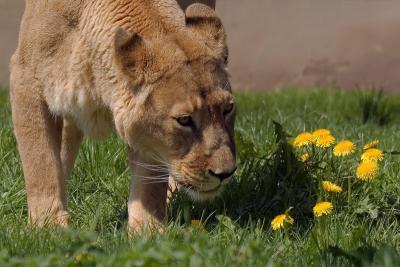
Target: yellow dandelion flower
{"x": 367, "y": 170}
{"x": 331, "y": 187}
{"x": 322, "y": 208}
{"x": 303, "y": 139}
{"x": 280, "y": 221}
{"x": 344, "y": 148}
{"x": 320, "y": 133}
{"x": 372, "y": 144}
{"x": 372, "y": 154}
{"x": 84, "y": 258}
{"x": 325, "y": 141}
{"x": 305, "y": 157}
{"x": 197, "y": 224}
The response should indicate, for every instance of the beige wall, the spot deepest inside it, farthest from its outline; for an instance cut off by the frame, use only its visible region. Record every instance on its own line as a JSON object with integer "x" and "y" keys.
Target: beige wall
{"x": 289, "y": 42}
{"x": 10, "y": 15}
{"x": 344, "y": 42}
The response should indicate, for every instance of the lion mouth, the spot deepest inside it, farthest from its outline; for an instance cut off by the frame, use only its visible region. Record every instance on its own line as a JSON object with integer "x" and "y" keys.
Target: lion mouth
{"x": 195, "y": 192}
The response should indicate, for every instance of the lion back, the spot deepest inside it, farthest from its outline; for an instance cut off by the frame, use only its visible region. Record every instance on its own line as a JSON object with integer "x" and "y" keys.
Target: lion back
{"x": 45, "y": 26}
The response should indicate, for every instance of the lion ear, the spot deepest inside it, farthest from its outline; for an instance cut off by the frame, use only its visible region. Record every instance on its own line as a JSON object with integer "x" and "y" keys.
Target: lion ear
{"x": 203, "y": 20}
{"x": 130, "y": 53}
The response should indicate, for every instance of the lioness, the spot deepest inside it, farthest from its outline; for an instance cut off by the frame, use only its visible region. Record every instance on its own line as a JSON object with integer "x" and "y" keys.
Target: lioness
{"x": 143, "y": 67}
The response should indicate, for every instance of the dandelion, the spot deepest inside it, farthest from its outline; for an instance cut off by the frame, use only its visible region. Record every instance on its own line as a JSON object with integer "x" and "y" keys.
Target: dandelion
{"x": 320, "y": 133}
{"x": 280, "y": 221}
{"x": 325, "y": 141}
{"x": 197, "y": 224}
{"x": 85, "y": 259}
{"x": 372, "y": 154}
{"x": 331, "y": 187}
{"x": 303, "y": 139}
{"x": 367, "y": 170}
{"x": 372, "y": 144}
{"x": 322, "y": 208}
{"x": 344, "y": 148}
{"x": 305, "y": 157}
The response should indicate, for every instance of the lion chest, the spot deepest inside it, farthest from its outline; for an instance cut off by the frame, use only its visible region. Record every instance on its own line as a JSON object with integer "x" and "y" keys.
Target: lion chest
{"x": 79, "y": 104}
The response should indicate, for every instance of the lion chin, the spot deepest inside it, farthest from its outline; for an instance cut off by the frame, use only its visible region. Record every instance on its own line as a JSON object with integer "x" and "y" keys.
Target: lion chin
{"x": 202, "y": 196}
{"x": 195, "y": 193}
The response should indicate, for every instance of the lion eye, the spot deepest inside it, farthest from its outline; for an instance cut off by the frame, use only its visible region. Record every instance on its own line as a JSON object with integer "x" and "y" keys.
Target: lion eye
{"x": 228, "y": 109}
{"x": 185, "y": 121}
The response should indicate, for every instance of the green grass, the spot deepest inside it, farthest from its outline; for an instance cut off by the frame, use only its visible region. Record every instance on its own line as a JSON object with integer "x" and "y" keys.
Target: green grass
{"x": 365, "y": 233}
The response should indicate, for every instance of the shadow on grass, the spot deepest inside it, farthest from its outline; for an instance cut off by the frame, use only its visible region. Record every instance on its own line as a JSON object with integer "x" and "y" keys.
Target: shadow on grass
{"x": 376, "y": 107}
{"x": 265, "y": 186}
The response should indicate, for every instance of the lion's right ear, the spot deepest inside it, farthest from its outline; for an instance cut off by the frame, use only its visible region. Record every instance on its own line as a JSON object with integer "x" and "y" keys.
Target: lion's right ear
{"x": 130, "y": 53}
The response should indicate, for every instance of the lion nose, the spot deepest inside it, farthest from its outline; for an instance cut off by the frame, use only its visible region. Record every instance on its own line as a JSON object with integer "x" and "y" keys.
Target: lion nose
{"x": 222, "y": 174}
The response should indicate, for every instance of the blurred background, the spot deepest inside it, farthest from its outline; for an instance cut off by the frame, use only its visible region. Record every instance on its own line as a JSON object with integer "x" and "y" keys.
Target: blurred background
{"x": 281, "y": 43}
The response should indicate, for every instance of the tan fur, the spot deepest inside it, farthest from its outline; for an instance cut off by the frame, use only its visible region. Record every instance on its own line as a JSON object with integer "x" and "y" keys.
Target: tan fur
{"x": 84, "y": 68}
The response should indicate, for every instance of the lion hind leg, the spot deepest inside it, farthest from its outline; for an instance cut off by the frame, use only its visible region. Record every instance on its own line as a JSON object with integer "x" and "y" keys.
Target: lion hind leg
{"x": 71, "y": 140}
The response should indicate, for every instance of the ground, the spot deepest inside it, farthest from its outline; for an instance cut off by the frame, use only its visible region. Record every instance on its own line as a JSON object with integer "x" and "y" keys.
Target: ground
{"x": 236, "y": 228}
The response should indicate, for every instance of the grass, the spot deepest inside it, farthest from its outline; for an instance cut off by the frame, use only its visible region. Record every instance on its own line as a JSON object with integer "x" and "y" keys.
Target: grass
{"x": 237, "y": 229}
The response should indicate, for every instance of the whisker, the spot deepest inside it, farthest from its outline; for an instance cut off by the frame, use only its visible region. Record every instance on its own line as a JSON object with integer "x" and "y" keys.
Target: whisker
{"x": 152, "y": 166}
{"x": 151, "y": 175}
{"x": 152, "y": 178}
{"x": 147, "y": 165}
{"x": 143, "y": 163}
{"x": 163, "y": 166}
{"x": 156, "y": 182}
{"x": 159, "y": 159}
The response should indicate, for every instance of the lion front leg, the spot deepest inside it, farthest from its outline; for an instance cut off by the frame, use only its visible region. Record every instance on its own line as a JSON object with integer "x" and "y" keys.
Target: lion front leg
{"x": 38, "y": 135}
{"x": 148, "y": 194}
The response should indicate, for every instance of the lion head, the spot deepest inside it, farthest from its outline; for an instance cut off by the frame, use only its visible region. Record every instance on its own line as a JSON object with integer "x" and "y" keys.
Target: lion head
{"x": 178, "y": 106}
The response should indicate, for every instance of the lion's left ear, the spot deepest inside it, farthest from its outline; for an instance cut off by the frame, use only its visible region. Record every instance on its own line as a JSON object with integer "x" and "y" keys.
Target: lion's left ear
{"x": 207, "y": 26}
